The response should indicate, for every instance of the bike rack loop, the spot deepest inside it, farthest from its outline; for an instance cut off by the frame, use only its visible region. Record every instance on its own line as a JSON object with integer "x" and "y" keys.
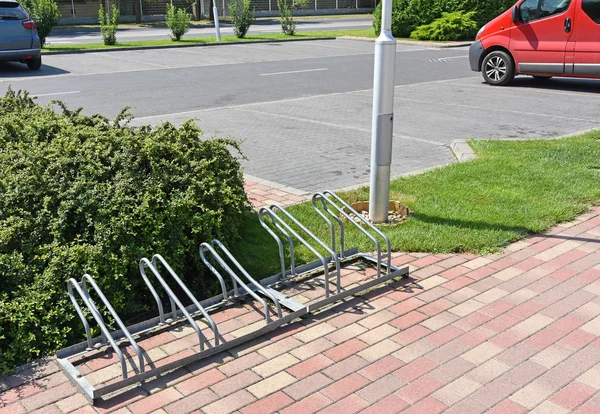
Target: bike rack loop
{"x": 145, "y": 263}
{"x": 323, "y": 198}
{"x": 278, "y": 222}
{"x": 88, "y": 279}
{"x": 216, "y": 243}
{"x": 205, "y": 247}
{"x": 105, "y": 333}
{"x": 158, "y": 258}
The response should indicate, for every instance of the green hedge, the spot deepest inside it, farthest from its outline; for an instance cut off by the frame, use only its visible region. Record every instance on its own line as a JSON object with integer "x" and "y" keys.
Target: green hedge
{"x": 407, "y": 15}
{"x": 451, "y": 26}
{"x": 86, "y": 194}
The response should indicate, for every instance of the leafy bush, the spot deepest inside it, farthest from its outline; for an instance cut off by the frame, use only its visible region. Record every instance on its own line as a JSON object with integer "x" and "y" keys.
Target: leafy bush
{"x": 45, "y": 14}
{"x": 286, "y": 15}
{"x": 451, "y": 26}
{"x": 88, "y": 194}
{"x": 178, "y": 21}
{"x": 109, "y": 23}
{"x": 407, "y": 15}
{"x": 485, "y": 10}
{"x": 241, "y": 17}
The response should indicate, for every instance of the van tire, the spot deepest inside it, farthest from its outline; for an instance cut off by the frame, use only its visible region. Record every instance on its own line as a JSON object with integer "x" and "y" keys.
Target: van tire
{"x": 498, "y": 68}
{"x": 35, "y": 63}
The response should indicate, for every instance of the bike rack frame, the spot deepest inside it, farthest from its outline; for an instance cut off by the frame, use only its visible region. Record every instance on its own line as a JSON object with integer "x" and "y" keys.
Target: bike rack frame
{"x": 273, "y": 219}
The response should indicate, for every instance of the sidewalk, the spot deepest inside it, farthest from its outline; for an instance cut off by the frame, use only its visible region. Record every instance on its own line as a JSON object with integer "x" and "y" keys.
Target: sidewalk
{"x": 509, "y": 333}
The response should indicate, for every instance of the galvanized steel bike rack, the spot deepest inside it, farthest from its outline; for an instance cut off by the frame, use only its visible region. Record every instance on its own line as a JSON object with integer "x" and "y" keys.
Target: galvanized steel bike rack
{"x": 274, "y": 219}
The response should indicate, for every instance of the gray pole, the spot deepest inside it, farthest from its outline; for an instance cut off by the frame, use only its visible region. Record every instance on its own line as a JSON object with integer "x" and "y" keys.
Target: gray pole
{"x": 383, "y": 117}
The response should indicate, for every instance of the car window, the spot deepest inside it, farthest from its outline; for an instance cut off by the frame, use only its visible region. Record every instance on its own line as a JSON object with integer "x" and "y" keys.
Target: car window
{"x": 592, "y": 9}
{"x": 12, "y": 11}
{"x": 532, "y": 10}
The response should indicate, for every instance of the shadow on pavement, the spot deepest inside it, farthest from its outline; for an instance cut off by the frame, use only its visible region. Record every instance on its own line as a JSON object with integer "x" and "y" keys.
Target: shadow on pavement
{"x": 20, "y": 70}
{"x": 559, "y": 84}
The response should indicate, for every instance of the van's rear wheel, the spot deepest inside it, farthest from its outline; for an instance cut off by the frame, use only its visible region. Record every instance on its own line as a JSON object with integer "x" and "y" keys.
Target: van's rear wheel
{"x": 498, "y": 68}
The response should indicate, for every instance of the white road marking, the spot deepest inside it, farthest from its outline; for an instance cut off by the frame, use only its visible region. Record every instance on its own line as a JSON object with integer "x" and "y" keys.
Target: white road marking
{"x": 56, "y": 93}
{"x": 293, "y": 71}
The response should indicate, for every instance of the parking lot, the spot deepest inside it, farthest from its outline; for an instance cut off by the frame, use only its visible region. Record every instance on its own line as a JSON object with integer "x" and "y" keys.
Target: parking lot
{"x": 303, "y": 109}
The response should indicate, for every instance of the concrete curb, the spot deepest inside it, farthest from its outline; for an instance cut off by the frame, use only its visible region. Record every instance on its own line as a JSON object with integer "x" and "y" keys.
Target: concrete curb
{"x": 445, "y": 45}
{"x": 120, "y": 49}
{"x": 462, "y": 150}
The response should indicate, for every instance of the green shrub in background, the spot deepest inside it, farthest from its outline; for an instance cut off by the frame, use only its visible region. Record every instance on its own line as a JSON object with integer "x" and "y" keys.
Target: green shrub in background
{"x": 286, "y": 15}
{"x": 178, "y": 21}
{"x": 45, "y": 14}
{"x": 407, "y": 15}
{"x": 109, "y": 23}
{"x": 87, "y": 194}
{"x": 241, "y": 17}
{"x": 451, "y": 26}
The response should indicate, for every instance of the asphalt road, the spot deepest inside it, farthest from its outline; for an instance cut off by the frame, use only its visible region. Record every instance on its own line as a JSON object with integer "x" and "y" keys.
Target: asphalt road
{"x": 303, "y": 109}
{"x": 128, "y": 33}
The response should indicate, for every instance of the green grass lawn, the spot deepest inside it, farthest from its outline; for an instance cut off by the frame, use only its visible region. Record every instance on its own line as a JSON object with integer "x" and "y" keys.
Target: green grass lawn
{"x": 209, "y": 40}
{"x": 513, "y": 189}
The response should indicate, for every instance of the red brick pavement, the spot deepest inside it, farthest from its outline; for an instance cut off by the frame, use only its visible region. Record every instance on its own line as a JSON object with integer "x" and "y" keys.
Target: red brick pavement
{"x": 513, "y": 332}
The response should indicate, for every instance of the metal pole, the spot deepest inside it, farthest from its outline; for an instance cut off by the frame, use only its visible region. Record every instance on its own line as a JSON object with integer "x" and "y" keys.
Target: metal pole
{"x": 383, "y": 117}
{"x": 216, "y": 14}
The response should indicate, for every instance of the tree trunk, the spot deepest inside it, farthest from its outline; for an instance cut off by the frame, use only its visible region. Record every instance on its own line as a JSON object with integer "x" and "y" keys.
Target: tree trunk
{"x": 138, "y": 12}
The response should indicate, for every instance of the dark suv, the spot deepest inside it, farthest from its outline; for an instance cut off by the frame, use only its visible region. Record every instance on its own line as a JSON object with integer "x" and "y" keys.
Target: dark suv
{"x": 19, "y": 40}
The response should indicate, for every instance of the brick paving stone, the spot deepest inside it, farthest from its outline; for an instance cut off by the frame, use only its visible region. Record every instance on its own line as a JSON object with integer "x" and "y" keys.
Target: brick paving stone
{"x": 476, "y": 336}
{"x": 242, "y": 363}
{"x": 200, "y": 381}
{"x": 230, "y": 403}
{"x": 508, "y": 407}
{"x": 413, "y": 351}
{"x": 271, "y": 384}
{"x": 415, "y": 369}
{"x": 410, "y": 335}
{"x": 429, "y": 405}
{"x": 573, "y": 395}
{"x": 344, "y": 350}
{"x": 532, "y": 394}
{"x": 348, "y": 332}
{"x": 378, "y": 334}
{"x": 467, "y": 406}
{"x": 419, "y": 389}
{"x": 192, "y": 402}
{"x": 351, "y": 404}
{"x": 155, "y": 401}
{"x": 306, "y": 386}
{"x": 345, "y": 386}
{"x": 444, "y": 335}
{"x": 310, "y": 404}
{"x": 310, "y": 366}
{"x": 345, "y": 367}
{"x": 274, "y": 365}
{"x": 48, "y": 397}
{"x": 235, "y": 383}
{"x": 71, "y": 403}
{"x": 447, "y": 351}
{"x": 381, "y": 388}
{"x": 270, "y": 404}
{"x": 311, "y": 349}
{"x": 451, "y": 370}
{"x": 381, "y": 368}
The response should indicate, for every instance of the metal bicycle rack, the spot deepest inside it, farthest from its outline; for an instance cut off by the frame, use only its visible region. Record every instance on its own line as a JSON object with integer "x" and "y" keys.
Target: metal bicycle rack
{"x": 330, "y": 207}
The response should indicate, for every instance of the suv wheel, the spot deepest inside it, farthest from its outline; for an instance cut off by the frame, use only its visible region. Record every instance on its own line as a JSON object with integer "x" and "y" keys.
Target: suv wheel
{"x": 498, "y": 68}
{"x": 35, "y": 63}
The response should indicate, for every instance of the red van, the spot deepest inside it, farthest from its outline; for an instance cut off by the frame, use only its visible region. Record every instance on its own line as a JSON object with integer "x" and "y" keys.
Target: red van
{"x": 541, "y": 38}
